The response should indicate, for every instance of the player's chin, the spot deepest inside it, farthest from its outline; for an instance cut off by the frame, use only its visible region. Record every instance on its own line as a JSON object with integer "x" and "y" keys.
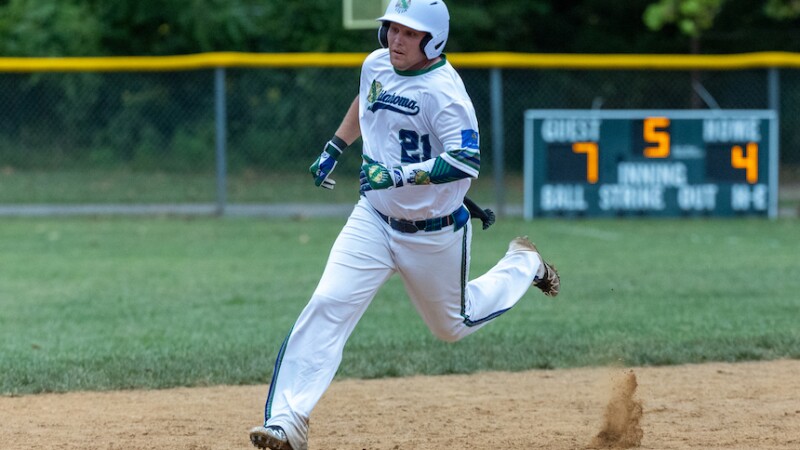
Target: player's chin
{"x": 396, "y": 59}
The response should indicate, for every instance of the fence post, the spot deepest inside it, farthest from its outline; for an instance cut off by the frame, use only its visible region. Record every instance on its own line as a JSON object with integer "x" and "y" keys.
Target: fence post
{"x": 220, "y": 120}
{"x": 774, "y": 103}
{"x": 498, "y": 150}
{"x": 773, "y": 90}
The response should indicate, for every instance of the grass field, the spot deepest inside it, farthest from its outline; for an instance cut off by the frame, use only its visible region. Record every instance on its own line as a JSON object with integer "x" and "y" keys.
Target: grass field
{"x": 110, "y": 303}
{"x": 125, "y": 186}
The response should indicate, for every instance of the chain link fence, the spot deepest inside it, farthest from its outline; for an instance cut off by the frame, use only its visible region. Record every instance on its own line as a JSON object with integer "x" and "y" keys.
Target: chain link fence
{"x": 128, "y": 139}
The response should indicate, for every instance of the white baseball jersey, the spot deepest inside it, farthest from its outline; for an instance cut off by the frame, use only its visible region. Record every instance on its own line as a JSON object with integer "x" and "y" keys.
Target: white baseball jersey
{"x": 415, "y": 116}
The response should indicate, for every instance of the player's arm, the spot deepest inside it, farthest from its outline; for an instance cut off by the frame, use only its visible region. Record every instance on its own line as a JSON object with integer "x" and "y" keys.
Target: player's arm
{"x": 433, "y": 171}
{"x": 450, "y": 166}
{"x": 349, "y": 130}
{"x": 461, "y": 160}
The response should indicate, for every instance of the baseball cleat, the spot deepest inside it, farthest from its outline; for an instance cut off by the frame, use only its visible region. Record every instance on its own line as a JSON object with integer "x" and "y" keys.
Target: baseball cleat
{"x": 550, "y": 283}
{"x": 270, "y": 437}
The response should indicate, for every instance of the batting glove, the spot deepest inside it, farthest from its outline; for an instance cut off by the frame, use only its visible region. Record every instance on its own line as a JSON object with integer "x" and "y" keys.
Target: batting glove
{"x": 380, "y": 176}
{"x": 326, "y": 162}
{"x": 364, "y": 182}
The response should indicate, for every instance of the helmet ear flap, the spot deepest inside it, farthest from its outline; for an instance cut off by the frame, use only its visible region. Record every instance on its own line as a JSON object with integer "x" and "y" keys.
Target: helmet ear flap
{"x": 383, "y": 34}
{"x": 424, "y": 42}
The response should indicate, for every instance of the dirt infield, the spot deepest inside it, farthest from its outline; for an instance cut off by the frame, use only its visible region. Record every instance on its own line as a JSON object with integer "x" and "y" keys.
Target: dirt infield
{"x": 708, "y": 406}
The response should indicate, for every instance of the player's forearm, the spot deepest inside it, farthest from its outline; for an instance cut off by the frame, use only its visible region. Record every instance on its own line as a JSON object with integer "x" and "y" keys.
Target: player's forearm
{"x": 443, "y": 172}
{"x": 446, "y": 168}
{"x": 377, "y": 175}
{"x": 350, "y": 130}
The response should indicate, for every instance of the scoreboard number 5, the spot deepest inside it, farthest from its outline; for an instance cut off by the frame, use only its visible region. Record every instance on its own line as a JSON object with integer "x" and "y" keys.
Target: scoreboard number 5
{"x": 655, "y": 133}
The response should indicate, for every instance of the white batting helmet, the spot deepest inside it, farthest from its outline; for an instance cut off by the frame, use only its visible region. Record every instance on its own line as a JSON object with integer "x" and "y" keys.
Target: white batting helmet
{"x": 429, "y": 16}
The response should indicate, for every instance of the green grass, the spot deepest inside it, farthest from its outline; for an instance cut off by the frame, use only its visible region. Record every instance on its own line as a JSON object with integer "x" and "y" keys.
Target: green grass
{"x": 111, "y": 303}
{"x": 128, "y": 187}
{"x": 124, "y": 186}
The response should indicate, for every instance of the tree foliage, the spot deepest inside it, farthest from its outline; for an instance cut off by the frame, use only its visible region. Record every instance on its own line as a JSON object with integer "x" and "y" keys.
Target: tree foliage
{"x": 155, "y": 27}
{"x": 47, "y": 28}
{"x": 148, "y": 119}
{"x": 692, "y": 17}
{"x": 783, "y": 9}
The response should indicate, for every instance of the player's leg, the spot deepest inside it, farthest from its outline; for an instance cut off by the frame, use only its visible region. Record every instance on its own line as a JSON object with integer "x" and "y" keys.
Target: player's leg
{"x": 359, "y": 263}
{"x": 435, "y": 270}
{"x": 502, "y": 286}
{"x": 434, "y": 267}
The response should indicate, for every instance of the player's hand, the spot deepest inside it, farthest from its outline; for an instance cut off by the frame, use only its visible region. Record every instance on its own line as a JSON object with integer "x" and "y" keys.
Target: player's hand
{"x": 324, "y": 165}
{"x": 380, "y": 176}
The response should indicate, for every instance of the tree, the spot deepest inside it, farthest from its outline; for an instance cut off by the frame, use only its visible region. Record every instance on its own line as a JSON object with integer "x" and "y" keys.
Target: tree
{"x": 47, "y": 28}
{"x": 155, "y": 27}
{"x": 692, "y": 17}
{"x": 782, "y": 9}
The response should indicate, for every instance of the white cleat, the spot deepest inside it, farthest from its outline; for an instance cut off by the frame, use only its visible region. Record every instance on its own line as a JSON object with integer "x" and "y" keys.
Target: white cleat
{"x": 271, "y": 437}
{"x": 550, "y": 283}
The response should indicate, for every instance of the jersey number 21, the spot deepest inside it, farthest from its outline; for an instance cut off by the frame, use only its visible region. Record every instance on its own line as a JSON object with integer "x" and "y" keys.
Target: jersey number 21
{"x": 409, "y": 144}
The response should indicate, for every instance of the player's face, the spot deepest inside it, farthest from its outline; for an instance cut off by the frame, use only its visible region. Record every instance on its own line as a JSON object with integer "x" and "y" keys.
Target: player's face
{"x": 404, "y": 51}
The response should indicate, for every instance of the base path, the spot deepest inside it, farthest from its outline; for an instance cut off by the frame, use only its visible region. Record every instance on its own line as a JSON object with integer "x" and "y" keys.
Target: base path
{"x": 706, "y": 406}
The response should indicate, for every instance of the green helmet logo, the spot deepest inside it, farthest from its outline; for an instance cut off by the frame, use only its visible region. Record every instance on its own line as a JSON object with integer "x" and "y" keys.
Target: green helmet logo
{"x": 401, "y": 6}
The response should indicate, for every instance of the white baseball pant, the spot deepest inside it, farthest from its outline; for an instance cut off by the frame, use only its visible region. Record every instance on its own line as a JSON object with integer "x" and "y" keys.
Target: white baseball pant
{"x": 434, "y": 267}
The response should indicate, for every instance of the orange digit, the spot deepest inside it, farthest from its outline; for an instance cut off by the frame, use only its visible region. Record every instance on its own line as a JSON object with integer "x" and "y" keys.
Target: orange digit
{"x": 654, "y": 136}
{"x": 591, "y": 150}
{"x": 748, "y": 162}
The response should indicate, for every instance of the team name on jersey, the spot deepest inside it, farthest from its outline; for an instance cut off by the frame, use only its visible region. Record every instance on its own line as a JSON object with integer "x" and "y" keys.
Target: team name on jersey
{"x": 390, "y": 101}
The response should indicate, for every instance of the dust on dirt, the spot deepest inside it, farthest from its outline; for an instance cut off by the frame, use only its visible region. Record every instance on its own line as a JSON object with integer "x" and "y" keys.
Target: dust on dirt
{"x": 709, "y": 406}
{"x": 621, "y": 428}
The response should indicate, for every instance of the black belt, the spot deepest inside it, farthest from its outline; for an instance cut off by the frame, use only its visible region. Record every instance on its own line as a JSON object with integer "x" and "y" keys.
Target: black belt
{"x": 412, "y": 226}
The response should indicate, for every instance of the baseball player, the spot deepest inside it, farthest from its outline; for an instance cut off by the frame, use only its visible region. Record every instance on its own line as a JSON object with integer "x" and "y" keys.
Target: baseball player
{"x": 420, "y": 152}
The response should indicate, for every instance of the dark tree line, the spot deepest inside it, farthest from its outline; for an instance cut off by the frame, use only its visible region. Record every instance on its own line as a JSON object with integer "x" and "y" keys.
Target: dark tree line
{"x": 156, "y": 27}
{"x": 163, "y": 120}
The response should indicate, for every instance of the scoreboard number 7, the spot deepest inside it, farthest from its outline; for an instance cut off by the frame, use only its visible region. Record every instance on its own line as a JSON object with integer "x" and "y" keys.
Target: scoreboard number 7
{"x": 592, "y": 159}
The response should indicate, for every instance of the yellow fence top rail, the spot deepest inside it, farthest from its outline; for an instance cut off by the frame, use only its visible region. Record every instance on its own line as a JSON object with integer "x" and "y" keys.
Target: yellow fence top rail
{"x": 462, "y": 60}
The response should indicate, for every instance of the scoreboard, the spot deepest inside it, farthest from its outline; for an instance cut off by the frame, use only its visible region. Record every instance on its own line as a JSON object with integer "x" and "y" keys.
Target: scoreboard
{"x": 666, "y": 163}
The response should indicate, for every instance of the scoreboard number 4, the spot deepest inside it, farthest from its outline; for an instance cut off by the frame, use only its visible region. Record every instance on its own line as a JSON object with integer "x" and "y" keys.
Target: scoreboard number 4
{"x": 747, "y": 160}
